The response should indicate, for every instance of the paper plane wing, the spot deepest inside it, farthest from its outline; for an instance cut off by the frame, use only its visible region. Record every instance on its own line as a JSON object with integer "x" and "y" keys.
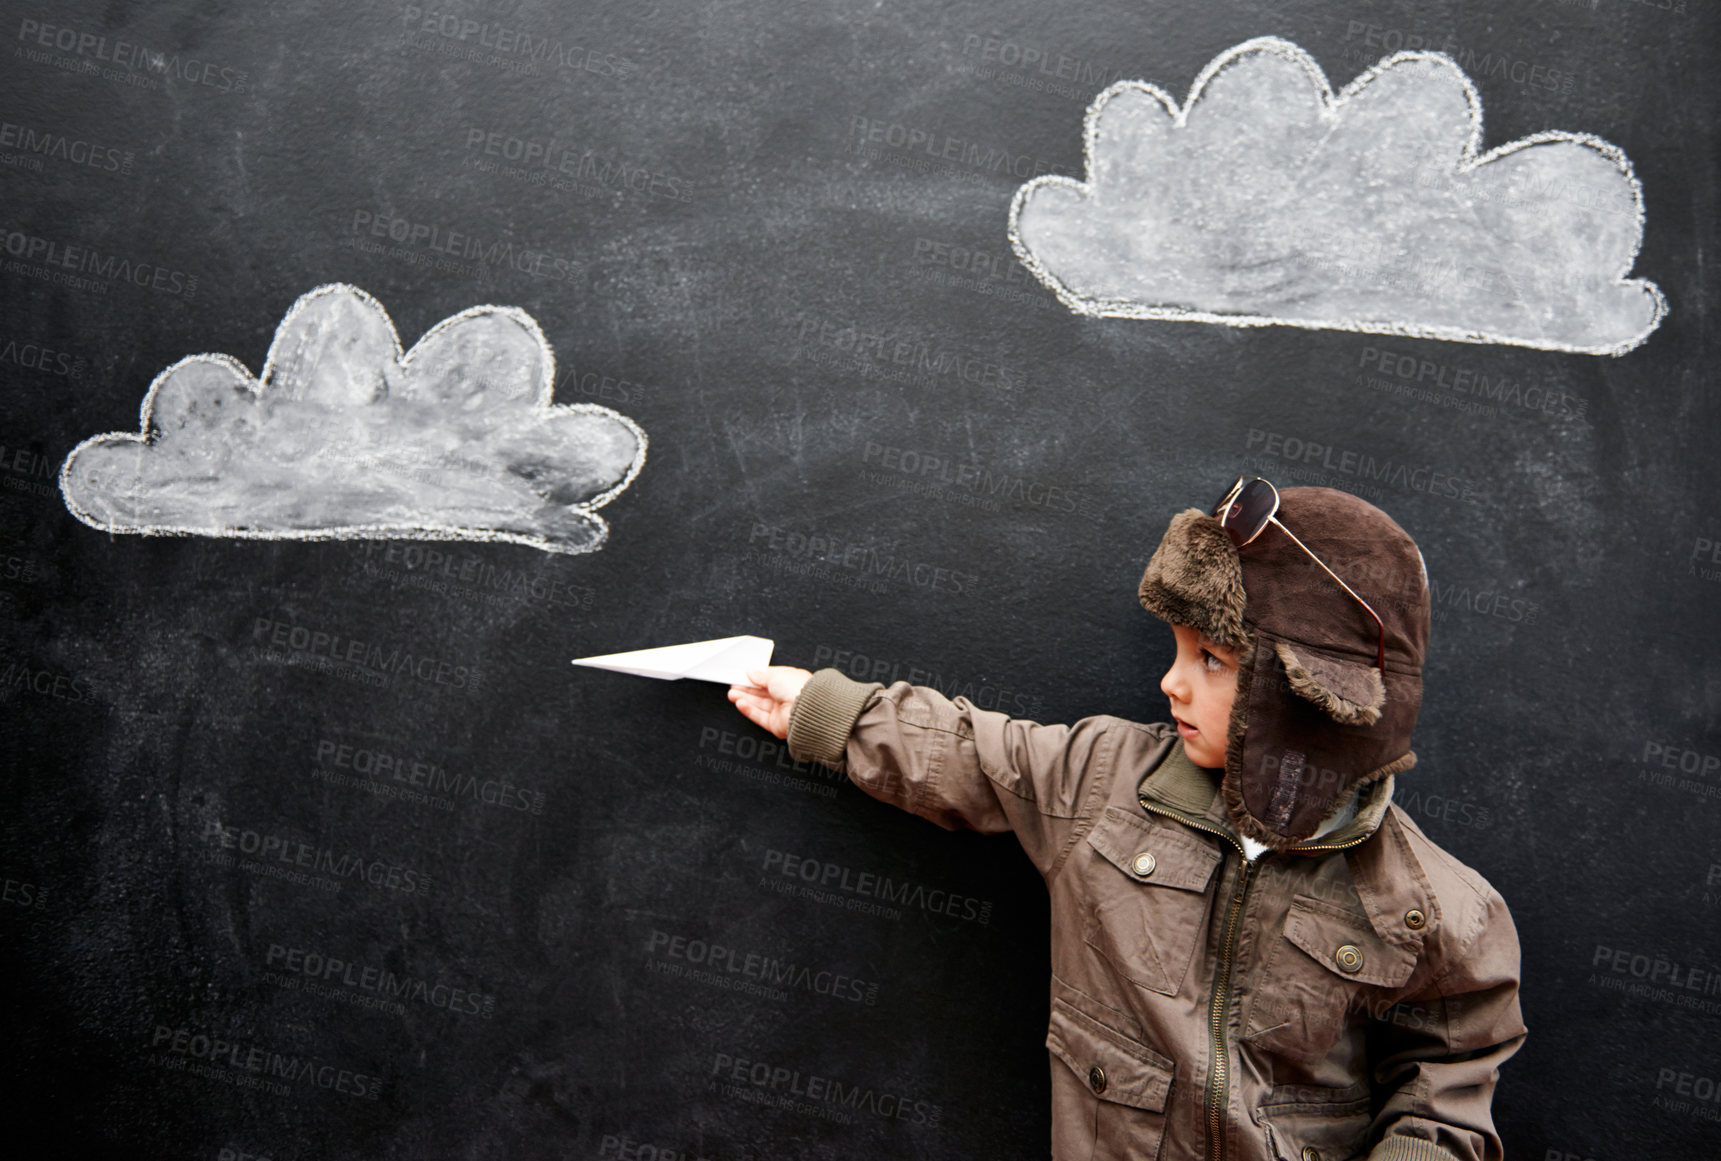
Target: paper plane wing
{"x": 725, "y": 660}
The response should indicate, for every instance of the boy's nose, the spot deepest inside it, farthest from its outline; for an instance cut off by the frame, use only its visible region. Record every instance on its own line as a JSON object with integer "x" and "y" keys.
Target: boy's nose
{"x": 1171, "y": 686}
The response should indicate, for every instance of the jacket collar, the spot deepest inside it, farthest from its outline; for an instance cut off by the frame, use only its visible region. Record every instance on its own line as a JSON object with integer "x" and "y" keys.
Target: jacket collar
{"x": 1388, "y": 878}
{"x": 1190, "y": 790}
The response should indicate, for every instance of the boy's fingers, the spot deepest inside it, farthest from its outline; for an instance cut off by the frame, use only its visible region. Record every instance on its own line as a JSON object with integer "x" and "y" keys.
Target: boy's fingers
{"x": 754, "y": 705}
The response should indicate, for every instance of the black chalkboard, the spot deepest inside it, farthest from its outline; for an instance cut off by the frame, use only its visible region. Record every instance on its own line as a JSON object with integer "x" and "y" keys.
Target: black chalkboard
{"x": 460, "y": 899}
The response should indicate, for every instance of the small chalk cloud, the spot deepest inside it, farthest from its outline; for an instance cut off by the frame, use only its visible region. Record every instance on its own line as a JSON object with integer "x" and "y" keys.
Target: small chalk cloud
{"x": 1265, "y": 199}
{"x": 345, "y": 437}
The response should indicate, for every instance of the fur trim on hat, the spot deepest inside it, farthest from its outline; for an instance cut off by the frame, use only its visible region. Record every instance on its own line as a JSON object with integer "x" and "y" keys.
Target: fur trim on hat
{"x": 1196, "y": 579}
{"x": 1348, "y": 693}
{"x": 1397, "y": 766}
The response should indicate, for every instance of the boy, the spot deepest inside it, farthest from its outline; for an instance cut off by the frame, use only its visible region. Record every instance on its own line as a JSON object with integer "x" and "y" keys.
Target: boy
{"x": 1255, "y": 955}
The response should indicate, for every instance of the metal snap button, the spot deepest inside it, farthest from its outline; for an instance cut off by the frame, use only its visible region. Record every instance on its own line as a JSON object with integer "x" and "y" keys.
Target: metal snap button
{"x": 1348, "y": 957}
{"x": 1310, "y": 1153}
{"x": 1097, "y": 1079}
{"x": 1144, "y": 863}
{"x": 1415, "y": 919}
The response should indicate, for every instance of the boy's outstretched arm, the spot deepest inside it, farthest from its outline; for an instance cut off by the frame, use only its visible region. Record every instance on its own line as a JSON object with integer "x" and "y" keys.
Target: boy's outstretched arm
{"x": 945, "y": 759}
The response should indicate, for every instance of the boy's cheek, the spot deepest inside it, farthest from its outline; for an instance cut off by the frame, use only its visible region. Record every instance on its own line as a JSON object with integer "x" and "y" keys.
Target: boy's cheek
{"x": 1225, "y": 693}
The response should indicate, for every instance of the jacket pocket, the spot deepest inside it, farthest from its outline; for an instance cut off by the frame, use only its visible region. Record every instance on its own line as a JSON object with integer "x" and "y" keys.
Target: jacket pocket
{"x": 1316, "y": 1130}
{"x": 1108, "y": 1104}
{"x": 1323, "y": 974}
{"x": 1150, "y": 898}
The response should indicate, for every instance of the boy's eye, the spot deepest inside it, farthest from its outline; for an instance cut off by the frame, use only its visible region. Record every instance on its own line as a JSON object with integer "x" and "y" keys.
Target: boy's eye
{"x": 1211, "y": 661}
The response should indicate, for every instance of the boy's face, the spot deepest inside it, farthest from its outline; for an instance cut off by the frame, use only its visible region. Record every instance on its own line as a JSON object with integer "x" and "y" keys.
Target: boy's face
{"x": 1201, "y": 683}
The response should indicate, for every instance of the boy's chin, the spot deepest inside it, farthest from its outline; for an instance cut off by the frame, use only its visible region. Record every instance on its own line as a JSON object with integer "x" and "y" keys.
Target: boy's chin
{"x": 1201, "y": 752}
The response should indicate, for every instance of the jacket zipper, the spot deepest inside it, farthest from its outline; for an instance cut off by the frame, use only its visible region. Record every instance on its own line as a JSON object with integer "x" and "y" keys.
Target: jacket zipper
{"x": 1219, "y": 1081}
{"x": 1346, "y": 845}
{"x": 1219, "y": 1085}
{"x": 1219, "y": 1078}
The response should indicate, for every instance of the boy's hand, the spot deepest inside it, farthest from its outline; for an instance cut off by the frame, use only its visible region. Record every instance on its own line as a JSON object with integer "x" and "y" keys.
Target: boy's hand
{"x": 771, "y": 698}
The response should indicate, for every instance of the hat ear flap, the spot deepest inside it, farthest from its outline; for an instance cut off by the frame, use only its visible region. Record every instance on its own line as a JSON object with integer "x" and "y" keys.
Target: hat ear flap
{"x": 1350, "y": 693}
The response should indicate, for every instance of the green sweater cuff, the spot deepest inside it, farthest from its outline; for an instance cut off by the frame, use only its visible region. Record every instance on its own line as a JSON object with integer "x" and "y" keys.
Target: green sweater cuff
{"x": 825, "y": 714}
{"x": 1409, "y": 1149}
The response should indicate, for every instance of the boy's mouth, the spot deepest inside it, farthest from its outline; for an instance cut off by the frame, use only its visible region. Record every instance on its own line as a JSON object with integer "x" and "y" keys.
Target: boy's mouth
{"x": 1184, "y": 728}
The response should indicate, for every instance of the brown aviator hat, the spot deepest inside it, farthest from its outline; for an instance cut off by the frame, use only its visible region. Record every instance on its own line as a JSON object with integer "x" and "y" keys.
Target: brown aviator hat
{"x": 1313, "y": 716}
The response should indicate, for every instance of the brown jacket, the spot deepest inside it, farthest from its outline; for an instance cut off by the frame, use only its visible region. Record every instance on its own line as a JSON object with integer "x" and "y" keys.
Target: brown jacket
{"x": 1353, "y": 996}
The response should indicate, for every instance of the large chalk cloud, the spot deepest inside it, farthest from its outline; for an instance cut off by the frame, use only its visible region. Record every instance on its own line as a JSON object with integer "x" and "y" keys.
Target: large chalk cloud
{"x": 1264, "y": 199}
{"x": 344, "y": 436}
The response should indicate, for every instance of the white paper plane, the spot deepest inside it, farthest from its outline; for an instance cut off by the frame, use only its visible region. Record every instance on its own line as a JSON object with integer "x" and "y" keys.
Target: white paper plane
{"x": 725, "y": 660}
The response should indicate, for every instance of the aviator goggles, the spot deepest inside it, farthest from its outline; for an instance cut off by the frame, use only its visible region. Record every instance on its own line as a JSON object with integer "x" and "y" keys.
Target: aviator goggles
{"x": 1244, "y": 512}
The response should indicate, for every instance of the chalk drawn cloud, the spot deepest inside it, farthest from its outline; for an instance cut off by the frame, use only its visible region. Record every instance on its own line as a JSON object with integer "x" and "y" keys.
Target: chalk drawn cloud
{"x": 345, "y": 437}
{"x": 1265, "y": 199}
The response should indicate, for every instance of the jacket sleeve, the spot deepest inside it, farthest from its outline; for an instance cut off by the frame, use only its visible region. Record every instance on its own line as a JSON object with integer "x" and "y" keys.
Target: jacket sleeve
{"x": 954, "y": 763}
{"x": 1437, "y": 1053}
